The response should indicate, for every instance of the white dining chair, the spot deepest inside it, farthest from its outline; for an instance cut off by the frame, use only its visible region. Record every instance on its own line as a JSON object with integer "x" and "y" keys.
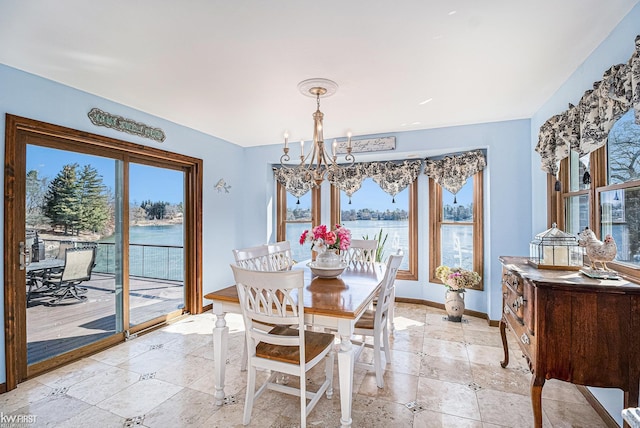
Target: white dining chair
{"x": 253, "y": 258}
{"x": 374, "y": 322}
{"x": 280, "y": 257}
{"x": 273, "y": 298}
{"x": 361, "y": 252}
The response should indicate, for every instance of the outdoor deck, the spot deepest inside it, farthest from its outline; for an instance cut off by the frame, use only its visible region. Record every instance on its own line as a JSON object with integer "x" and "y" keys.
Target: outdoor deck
{"x": 55, "y": 329}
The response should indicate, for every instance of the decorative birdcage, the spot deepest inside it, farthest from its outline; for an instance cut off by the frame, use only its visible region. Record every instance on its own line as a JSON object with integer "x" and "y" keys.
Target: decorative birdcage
{"x": 555, "y": 249}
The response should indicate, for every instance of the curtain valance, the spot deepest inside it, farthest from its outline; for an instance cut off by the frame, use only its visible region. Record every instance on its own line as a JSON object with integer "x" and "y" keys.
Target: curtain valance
{"x": 392, "y": 177}
{"x": 585, "y": 127}
{"x": 452, "y": 172}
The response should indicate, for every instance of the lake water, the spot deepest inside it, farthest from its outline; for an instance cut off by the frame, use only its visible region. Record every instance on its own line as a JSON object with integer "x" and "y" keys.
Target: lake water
{"x": 154, "y": 235}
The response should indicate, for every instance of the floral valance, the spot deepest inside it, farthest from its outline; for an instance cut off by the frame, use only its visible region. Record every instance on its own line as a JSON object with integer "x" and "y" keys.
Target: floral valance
{"x": 295, "y": 180}
{"x": 452, "y": 172}
{"x": 585, "y": 126}
{"x": 392, "y": 177}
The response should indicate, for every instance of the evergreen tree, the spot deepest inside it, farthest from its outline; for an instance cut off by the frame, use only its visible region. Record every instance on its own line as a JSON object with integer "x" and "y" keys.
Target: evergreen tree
{"x": 93, "y": 200}
{"x": 62, "y": 202}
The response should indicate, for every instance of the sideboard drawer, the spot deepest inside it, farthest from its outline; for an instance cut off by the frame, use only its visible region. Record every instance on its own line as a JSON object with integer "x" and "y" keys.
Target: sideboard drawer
{"x": 525, "y": 339}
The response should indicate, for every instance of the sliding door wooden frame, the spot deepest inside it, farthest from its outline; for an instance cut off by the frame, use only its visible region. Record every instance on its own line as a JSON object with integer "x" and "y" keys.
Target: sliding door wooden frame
{"x": 19, "y": 132}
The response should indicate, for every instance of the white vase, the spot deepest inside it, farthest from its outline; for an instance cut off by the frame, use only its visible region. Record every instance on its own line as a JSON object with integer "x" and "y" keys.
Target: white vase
{"x": 454, "y": 304}
{"x": 328, "y": 259}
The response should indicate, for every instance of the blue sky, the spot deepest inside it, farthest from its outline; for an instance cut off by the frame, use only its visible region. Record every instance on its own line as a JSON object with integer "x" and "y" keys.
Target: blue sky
{"x": 156, "y": 184}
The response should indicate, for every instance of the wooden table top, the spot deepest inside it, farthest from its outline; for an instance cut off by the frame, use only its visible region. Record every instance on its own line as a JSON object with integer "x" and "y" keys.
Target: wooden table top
{"x": 342, "y": 297}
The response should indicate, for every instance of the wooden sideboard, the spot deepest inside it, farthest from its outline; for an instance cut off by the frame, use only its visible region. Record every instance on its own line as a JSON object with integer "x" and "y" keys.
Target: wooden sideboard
{"x": 573, "y": 328}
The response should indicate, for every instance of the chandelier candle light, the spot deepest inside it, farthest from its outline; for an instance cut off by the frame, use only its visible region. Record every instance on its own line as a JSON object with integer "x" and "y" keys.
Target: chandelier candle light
{"x": 319, "y": 160}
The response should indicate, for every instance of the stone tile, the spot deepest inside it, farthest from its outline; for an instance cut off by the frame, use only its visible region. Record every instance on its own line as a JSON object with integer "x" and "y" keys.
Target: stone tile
{"x": 187, "y": 371}
{"x": 445, "y": 349}
{"x": 93, "y": 416}
{"x": 447, "y": 369}
{"x": 437, "y": 332}
{"x": 562, "y": 391}
{"x": 152, "y": 361}
{"x": 378, "y": 413}
{"x": 563, "y": 414}
{"x": 481, "y": 337}
{"x": 139, "y": 398}
{"x": 448, "y": 397}
{"x": 398, "y": 387}
{"x": 26, "y": 393}
{"x": 507, "y": 409}
{"x": 73, "y": 373}
{"x": 514, "y": 380}
{"x": 103, "y": 385}
{"x": 186, "y": 408}
{"x": 431, "y": 419}
{"x": 53, "y": 410}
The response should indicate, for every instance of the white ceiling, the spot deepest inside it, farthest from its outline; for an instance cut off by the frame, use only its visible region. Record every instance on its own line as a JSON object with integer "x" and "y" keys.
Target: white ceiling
{"x": 231, "y": 68}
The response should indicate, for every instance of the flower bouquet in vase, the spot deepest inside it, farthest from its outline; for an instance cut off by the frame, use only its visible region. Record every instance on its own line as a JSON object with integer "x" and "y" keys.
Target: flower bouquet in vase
{"x": 456, "y": 280}
{"x": 327, "y": 243}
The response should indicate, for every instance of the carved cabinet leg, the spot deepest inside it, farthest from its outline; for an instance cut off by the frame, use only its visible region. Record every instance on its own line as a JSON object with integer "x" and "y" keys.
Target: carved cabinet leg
{"x": 503, "y": 335}
{"x": 537, "y": 382}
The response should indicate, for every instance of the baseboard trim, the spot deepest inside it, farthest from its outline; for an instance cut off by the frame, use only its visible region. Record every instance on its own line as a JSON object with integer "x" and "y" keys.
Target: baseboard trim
{"x": 3, "y": 388}
{"x": 476, "y": 314}
{"x": 599, "y": 408}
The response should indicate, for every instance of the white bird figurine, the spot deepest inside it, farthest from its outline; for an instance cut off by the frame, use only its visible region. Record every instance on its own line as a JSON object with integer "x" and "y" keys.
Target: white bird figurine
{"x": 596, "y": 250}
{"x": 221, "y": 185}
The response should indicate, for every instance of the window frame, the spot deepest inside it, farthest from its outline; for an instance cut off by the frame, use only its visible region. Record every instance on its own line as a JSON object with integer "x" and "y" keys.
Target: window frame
{"x": 281, "y": 210}
{"x": 410, "y": 274}
{"x": 436, "y": 222}
{"x": 598, "y": 171}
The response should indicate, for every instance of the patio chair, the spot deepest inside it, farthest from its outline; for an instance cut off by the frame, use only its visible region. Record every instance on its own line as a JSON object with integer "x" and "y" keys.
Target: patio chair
{"x": 362, "y": 252}
{"x": 374, "y": 322}
{"x": 280, "y": 255}
{"x": 273, "y": 298}
{"x": 78, "y": 265}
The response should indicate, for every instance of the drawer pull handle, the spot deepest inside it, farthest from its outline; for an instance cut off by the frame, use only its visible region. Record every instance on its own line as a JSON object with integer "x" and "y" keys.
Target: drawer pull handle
{"x": 518, "y": 302}
{"x": 525, "y": 339}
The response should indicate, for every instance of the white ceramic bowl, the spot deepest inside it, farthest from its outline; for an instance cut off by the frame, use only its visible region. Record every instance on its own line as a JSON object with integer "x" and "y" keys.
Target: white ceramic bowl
{"x": 327, "y": 272}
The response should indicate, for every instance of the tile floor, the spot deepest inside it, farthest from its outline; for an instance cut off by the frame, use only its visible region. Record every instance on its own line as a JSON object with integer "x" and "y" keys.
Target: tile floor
{"x": 443, "y": 374}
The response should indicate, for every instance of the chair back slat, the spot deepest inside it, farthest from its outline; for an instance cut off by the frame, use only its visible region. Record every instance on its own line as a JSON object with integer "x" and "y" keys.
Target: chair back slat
{"x": 270, "y": 297}
{"x": 362, "y": 252}
{"x": 253, "y": 258}
{"x": 280, "y": 256}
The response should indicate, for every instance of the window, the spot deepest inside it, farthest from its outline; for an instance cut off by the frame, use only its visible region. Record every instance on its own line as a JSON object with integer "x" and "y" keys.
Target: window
{"x": 398, "y": 221}
{"x": 294, "y": 215}
{"x": 370, "y": 210}
{"x": 456, "y": 227}
{"x": 610, "y": 204}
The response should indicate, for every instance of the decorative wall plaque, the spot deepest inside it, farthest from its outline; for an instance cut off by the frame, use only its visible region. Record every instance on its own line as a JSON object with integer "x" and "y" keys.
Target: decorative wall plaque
{"x": 102, "y": 118}
{"x": 370, "y": 145}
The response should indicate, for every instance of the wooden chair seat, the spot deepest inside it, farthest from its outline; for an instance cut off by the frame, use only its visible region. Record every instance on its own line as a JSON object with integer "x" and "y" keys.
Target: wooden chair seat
{"x": 314, "y": 344}
{"x": 367, "y": 320}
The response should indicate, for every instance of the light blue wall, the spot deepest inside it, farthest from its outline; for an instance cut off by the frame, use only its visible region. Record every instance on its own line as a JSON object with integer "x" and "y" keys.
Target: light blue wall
{"x": 507, "y": 209}
{"x": 26, "y": 95}
{"x": 616, "y": 49}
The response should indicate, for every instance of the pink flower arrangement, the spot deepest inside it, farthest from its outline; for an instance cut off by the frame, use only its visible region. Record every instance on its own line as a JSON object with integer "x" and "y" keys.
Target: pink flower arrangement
{"x": 322, "y": 239}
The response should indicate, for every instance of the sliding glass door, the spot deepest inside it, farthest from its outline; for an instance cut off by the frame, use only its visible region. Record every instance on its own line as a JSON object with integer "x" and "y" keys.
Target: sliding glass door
{"x": 156, "y": 243}
{"x": 72, "y": 300}
{"x": 80, "y": 273}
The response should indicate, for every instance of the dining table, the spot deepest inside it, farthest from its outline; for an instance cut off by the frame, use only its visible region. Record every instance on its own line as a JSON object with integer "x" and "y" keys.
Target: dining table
{"x": 36, "y": 271}
{"x": 329, "y": 303}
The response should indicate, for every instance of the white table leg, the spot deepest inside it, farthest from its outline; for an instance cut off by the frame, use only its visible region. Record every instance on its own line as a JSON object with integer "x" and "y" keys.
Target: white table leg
{"x": 346, "y": 360}
{"x": 220, "y": 336}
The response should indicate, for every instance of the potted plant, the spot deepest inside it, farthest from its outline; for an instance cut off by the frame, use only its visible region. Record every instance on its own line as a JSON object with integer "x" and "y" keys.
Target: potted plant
{"x": 456, "y": 280}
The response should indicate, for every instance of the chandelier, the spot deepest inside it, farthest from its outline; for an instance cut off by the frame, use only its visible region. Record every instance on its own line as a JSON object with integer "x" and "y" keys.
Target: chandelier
{"x": 319, "y": 161}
